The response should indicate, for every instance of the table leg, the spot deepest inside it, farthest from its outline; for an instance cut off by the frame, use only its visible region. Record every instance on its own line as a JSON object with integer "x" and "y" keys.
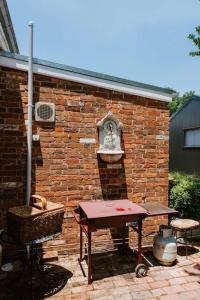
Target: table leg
{"x": 81, "y": 243}
{"x": 139, "y": 241}
{"x": 123, "y": 238}
{"x": 89, "y": 258}
{"x": 186, "y": 247}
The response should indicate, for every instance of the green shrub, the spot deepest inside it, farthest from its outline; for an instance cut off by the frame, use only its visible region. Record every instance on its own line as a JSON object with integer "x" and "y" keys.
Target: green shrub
{"x": 184, "y": 195}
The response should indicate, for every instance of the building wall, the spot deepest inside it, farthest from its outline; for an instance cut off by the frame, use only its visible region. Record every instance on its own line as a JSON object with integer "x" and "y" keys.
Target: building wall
{"x": 184, "y": 159}
{"x": 67, "y": 171}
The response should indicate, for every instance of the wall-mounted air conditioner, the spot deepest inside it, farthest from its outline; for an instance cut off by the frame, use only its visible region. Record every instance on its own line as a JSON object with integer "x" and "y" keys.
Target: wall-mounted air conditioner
{"x": 44, "y": 112}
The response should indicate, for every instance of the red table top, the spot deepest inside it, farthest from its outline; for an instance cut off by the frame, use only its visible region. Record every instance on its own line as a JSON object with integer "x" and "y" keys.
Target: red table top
{"x": 111, "y": 208}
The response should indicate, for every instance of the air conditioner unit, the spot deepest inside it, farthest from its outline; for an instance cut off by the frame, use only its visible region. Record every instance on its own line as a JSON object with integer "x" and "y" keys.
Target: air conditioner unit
{"x": 44, "y": 112}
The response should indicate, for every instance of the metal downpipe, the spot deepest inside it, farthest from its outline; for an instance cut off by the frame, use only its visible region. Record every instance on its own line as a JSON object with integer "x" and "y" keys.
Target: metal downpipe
{"x": 30, "y": 107}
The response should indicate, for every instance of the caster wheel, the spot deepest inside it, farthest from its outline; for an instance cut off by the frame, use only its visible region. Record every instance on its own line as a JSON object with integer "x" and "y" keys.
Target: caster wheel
{"x": 141, "y": 270}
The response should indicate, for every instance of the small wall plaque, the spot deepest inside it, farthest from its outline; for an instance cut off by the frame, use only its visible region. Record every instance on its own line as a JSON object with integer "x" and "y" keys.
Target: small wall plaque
{"x": 87, "y": 141}
{"x": 162, "y": 137}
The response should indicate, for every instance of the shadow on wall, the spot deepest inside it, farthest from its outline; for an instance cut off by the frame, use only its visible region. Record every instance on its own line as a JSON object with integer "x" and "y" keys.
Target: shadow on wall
{"x": 114, "y": 187}
{"x": 13, "y": 145}
{"x": 112, "y": 179}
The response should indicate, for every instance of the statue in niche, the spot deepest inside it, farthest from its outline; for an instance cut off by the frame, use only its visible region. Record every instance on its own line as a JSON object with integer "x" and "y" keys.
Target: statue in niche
{"x": 110, "y": 138}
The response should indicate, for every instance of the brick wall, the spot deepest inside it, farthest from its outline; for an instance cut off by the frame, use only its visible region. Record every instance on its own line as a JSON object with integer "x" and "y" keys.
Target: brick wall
{"x": 67, "y": 171}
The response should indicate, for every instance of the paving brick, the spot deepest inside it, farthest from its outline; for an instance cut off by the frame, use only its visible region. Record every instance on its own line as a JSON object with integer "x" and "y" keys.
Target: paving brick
{"x": 191, "y": 286}
{"x": 141, "y": 295}
{"x": 174, "y": 289}
{"x": 177, "y": 273}
{"x": 159, "y": 284}
{"x": 147, "y": 279}
{"x": 79, "y": 296}
{"x": 106, "y": 298}
{"x": 191, "y": 295}
{"x": 121, "y": 282}
{"x": 81, "y": 289}
{"x": 178, "y": 280}
{"x": 98, "y": 293}
{"x": 192, "y": 278}
{"x": 169, "y": 297}
{"x": 157, "y": 292}
{"x": 162, "y": 275}
{"x": 156, "y": 268}
{"x": 120, "y": 291}
{"x": 126, "y": 296}
{"x": 198, "y": 292}
{"x": 139, "y": 287}
{"x": 185, "y": 262}
{"x": 69, "y": 297}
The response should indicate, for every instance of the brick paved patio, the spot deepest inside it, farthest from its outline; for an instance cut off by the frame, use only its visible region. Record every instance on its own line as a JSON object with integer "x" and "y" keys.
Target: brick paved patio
{"x": 114, "y": 279}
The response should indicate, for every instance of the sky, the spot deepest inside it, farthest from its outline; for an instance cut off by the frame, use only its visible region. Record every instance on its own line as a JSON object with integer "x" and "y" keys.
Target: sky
{"x": 141, "y": 40}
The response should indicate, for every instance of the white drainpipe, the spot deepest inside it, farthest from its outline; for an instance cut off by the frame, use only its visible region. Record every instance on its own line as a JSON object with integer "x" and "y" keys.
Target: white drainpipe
{"x": 30, "y": 106}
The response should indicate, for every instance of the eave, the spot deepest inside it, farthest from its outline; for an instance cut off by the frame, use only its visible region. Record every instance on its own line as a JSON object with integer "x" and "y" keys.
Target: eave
{"x": 42, "y": 67}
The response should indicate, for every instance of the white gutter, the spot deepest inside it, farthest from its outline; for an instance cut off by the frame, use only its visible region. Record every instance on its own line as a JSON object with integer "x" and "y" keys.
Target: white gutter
{"x": 30, "y": 106}
{"x": 85, "y": 79}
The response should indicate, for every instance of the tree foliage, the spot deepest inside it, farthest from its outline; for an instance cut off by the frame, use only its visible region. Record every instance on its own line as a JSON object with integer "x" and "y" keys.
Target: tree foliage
{"x": 195, "y": 38}
{"x": 179, "y": 101}
{"x": 184, "y": 195}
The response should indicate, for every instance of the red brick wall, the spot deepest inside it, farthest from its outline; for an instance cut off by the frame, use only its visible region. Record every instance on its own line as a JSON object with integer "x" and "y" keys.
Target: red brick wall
{"x": 66, "y": 171}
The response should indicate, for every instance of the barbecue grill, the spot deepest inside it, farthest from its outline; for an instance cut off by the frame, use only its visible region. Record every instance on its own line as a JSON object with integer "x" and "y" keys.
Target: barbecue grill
{"x": 95, "y": 215}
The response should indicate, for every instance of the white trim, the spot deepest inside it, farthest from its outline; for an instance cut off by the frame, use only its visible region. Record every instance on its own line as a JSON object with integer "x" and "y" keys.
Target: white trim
{"x": 85, "y": 79}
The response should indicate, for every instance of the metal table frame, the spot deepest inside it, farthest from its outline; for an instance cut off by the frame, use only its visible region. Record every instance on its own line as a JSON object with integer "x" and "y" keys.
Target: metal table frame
{"x": 87, "y": 227}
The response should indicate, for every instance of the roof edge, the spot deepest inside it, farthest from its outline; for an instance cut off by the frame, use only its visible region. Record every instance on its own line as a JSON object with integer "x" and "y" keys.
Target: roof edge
{"x": 93, "y": 78}
{"x": 87, "y": 72}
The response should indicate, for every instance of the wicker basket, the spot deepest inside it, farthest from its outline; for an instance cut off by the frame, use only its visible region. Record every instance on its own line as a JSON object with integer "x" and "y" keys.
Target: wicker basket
{"x": 29, "y": 223}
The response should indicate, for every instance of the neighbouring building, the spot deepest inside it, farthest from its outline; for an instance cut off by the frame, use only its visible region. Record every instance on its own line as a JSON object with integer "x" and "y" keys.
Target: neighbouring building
{"x": 185, "y": 138}
{"x": 66, "y": 167}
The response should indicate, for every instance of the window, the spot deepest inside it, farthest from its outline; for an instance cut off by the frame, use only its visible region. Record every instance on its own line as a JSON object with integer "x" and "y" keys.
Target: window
{"x": 192, "y": 137}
